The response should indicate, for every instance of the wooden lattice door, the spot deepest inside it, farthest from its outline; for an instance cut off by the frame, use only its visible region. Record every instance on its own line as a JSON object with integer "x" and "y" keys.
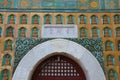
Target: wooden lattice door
{"x": 58, "y": 67}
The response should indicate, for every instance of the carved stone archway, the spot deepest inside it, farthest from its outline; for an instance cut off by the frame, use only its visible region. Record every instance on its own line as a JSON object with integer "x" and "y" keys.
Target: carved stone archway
{"x": 78, "y": 53}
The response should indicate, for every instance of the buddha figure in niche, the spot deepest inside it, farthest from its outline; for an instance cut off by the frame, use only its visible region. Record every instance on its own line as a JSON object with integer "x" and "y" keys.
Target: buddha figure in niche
{"x": 82, "y": 20}
{"x": 24, "y": 19}
{"x": 117, "y": 20}
{"x": 9, "y": 45}
{"x": 82, "y": 33}
{"x": 119, "y": 46}
{"x": 10, "y": 32}
{"x": 70, "y": 21}
{"x": 95, "y": 33}
{"x": 108, "y": 47}
{"x": 36, "y": 20}
{"x": 1, "y": 20}
{"x": 105, "y": 20}
{"x": 93, "y": 18}
{"x": 22, "y": 33}
{"x": 59, "y": 19}
{"x": 106, "y": 33}
{"x": 12, "y": 20}
{"x": 5, "y": 75}
{"x": 0, "y": 32}
{"x": 110, "y": 61}
{"x": 118, "y": 32}
{"x": 112, "y": 77}
{"x": 7, "y": 60}
{"x": 47, "y": 19}
{"x": 35, "y": 33}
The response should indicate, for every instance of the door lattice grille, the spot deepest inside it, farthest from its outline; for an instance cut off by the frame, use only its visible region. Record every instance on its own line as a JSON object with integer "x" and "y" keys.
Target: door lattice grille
{"x": 58, "y": 66}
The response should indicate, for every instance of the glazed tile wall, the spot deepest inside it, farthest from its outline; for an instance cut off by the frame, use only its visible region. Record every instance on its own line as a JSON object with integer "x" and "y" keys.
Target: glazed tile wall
{"x": 89, "y": 26}
{"x": 60, "y": 4}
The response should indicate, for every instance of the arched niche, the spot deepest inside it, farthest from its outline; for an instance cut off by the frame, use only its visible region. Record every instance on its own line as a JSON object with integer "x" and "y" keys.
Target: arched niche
{"x": 10, "y": 32}
{"x": 59, "y": 19}
{"x": 82, "y": 19}
{"x": 94, "y": 19}
{"x": 106, "y": 19}
{"x": 22, "y": 32}
{"x": 5, "y": 74}
{"x": 11, "y": 19}
{"x": 71, "y": 19}
{"x": 83, "y": 32}
{"x": 107, "y": 32}
{"x": 109, "y": 46}
{"x": 110, "y": 60}
{"x": 0, "y": 32}
{"x": 8, "y": 45}
{"x": 112, "y": 75}
{"x": 117, "y": 30}
{"x": 78, "y": 53}
{"x": 116, "y": 19}
{"x": 118, "y": 45}
{"x": 35, "y": 19}
{"x": 35, "y": 32}
{"x": 47, "y": 19}
{"x": 95, "y": 32}
{"x": 7, "y": 60}
{"x": 1, "y": 19}
{"x": 24, "y": 19}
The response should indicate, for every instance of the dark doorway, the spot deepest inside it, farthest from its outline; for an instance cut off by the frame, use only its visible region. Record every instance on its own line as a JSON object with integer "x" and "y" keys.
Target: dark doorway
{"x": 58, "y": 67}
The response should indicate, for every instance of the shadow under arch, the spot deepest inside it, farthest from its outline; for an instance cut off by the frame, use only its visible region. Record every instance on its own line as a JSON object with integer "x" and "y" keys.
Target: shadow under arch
{"x": 85, "y": 59}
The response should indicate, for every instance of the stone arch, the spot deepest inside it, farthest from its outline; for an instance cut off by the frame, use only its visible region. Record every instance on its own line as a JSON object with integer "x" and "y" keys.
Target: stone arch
{"x": 84, "y": 58}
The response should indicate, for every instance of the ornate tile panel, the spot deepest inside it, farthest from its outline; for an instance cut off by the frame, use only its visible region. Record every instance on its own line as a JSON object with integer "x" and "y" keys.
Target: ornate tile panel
{"x": 6, "y": 3}
{"x": 111, "y": 4}
{"x": 60, "y": 4}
